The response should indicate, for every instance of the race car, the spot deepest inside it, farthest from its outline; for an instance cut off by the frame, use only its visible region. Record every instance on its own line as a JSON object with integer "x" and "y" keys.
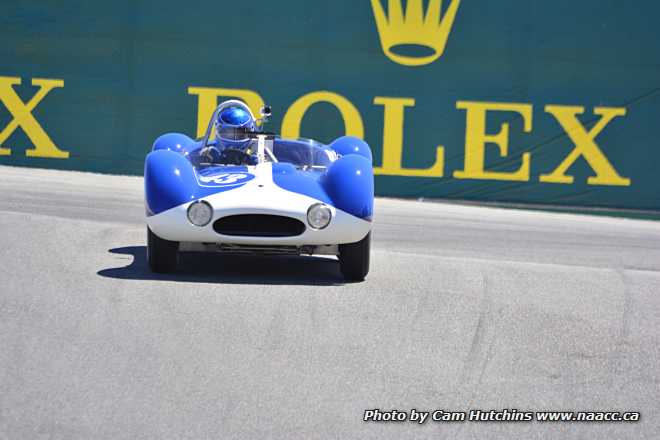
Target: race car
{"x": 240, "y": 189}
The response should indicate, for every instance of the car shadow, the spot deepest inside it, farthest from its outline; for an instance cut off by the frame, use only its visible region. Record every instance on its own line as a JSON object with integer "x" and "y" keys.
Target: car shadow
{"x": 231, "y": 269}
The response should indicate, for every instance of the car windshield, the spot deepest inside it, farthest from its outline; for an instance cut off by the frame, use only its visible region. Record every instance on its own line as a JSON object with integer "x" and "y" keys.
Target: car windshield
{"x": 300, "y": 152}
{"x": 303, "y": 152}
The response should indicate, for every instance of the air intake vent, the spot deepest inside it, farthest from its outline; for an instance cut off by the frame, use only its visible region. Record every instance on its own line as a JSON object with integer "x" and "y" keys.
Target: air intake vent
{"x": 259, "y": 225}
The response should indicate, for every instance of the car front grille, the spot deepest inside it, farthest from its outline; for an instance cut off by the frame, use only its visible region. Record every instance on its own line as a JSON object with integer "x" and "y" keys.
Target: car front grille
{"x": 259, "y": 225}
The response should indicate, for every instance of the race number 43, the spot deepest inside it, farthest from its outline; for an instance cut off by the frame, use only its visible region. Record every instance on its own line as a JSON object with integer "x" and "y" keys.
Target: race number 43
{"x": 226, "y": 178}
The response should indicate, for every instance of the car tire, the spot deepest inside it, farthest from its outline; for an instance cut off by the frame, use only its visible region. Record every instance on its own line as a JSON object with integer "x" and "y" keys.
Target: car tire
{"x": 162, "y": 255}
{"x": 354, "y": 259}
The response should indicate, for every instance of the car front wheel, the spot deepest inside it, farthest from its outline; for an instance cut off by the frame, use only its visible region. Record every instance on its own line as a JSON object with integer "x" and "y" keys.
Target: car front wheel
{"x": 162, "y": 255}
{"x": 354, "y": 259}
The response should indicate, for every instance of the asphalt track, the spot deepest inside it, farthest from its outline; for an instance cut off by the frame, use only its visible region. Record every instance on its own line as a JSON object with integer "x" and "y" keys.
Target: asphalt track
{"x": 464, "y": 308}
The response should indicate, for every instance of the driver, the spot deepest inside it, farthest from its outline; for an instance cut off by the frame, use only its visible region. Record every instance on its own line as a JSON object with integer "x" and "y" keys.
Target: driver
{"x": 232, "y": 144}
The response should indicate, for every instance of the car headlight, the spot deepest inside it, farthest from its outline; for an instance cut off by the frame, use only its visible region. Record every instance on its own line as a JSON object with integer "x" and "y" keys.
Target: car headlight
{"x": 319, "y": 216}
{"x": 200, "y": 213}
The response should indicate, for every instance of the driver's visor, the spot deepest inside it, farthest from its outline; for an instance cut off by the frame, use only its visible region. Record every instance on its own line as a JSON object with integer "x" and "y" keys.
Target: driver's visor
{"x": 233, "y": 133}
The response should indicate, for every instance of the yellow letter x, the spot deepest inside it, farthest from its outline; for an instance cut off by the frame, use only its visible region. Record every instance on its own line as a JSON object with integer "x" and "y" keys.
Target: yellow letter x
{"x": 22, "y": 113}
{"x": 585, "y": 146}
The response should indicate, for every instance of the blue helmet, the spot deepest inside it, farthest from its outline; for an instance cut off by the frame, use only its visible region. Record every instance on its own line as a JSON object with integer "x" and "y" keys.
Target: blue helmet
{"x": 232, "y": 125}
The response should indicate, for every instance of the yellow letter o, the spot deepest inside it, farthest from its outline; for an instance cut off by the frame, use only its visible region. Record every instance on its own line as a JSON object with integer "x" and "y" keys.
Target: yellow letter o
{"x": 353, "y": 125}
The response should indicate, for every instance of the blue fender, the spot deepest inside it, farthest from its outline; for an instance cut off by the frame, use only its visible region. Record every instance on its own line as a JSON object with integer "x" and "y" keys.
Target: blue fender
{"x": 169, "y": 180}
{"x": 350, "y": 184}
{"x": 346, "y": 145}
{"x": 174, "y": 142}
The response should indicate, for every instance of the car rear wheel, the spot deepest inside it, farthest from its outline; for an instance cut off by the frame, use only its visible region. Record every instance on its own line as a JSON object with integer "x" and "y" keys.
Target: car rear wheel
{"x": 162, "y": 255}
{"x": 354, "y": 259}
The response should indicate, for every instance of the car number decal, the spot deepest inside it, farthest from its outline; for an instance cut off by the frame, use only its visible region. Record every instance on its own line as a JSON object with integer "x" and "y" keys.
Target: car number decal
{"x": 225, "y": 179}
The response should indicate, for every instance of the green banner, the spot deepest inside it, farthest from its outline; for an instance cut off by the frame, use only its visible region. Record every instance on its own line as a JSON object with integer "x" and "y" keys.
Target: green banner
{"x": 528, "y": 102}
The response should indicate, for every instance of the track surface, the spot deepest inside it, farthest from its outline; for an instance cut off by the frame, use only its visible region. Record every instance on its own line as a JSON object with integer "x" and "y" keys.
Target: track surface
{"x": 465, "y": 307}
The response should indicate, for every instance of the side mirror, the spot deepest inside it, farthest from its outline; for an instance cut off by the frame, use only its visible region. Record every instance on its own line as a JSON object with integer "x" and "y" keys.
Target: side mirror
{"x": 265, "y": 112}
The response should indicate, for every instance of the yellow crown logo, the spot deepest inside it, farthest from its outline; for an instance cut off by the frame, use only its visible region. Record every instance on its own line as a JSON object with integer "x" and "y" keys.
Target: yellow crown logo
{"x": 415, "y": 29}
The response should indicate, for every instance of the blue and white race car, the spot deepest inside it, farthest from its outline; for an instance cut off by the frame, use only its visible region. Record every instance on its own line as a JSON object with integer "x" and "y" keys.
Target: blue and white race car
{"x": 242, "y": 190}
